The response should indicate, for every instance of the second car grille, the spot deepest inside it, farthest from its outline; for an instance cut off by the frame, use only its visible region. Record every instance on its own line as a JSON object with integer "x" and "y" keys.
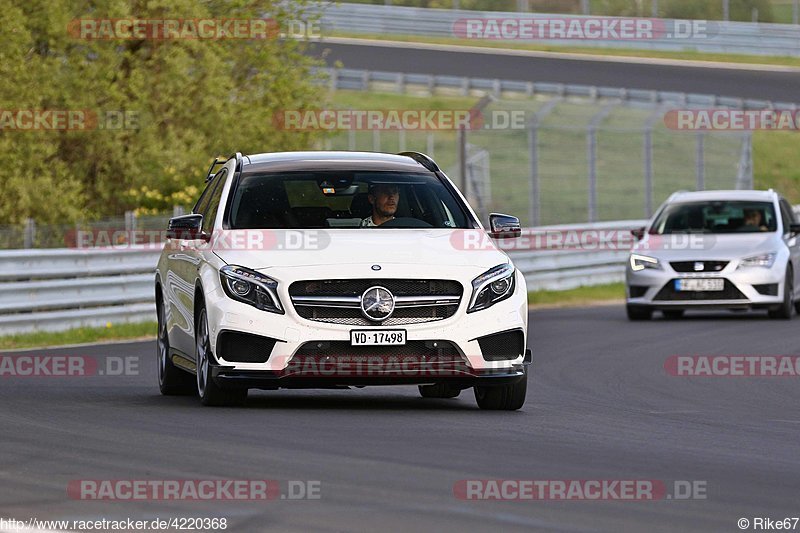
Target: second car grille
{"x": 338, "y": 301}
{"x": 729, "y": 292}
{"x": 690, "y": 266}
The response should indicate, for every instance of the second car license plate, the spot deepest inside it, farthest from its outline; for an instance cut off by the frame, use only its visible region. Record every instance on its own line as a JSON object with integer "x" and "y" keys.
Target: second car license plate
{"x": 379, "y": 337}
{"x": 699, "y": 284}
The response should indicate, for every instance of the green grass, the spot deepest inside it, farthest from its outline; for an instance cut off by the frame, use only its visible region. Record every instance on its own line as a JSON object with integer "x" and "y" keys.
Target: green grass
{"x": 690, "y": 55}
{"x": 579, "y": 296}
{"x": 79, "y": 336}
{"x": 777, "y": 162}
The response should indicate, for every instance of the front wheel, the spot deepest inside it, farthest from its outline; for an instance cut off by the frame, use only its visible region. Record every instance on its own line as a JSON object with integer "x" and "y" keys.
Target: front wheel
{"x": 503, "y": 397}
{"x": 210, "y": 393}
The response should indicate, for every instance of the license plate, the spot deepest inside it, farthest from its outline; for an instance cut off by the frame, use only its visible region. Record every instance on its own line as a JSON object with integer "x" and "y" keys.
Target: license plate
{"x": 699, "y": 284}
{"x": 378, "y": 337}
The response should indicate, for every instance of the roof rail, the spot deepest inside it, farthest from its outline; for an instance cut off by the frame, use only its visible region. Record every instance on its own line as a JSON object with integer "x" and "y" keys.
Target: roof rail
{"x": 422, "y": 159}
{"x": 221, "y": 160}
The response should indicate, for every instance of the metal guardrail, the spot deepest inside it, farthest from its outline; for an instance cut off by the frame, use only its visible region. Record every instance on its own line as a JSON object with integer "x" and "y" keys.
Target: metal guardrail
{"x": 364, "y": 80}
{"x": 58, "y": 289}
{"x": 750, "y": 38}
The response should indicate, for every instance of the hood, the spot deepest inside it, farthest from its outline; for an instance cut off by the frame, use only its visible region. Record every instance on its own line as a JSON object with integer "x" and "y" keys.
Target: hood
{"x": 690, "y": 247}
{"x": 438, "y": 248}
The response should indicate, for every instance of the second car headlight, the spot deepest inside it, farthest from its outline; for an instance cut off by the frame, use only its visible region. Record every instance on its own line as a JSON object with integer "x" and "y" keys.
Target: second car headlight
{"x": 763, "y": 260}
{"x": 494, "y": 285}
{"x": 640, "y": 262}
{"x": 251, "y": 287}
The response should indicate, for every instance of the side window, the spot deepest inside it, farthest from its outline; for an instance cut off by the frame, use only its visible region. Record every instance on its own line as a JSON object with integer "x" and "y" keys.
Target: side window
{"x": 202, "y": 203}
{"x": 210, "y": 210}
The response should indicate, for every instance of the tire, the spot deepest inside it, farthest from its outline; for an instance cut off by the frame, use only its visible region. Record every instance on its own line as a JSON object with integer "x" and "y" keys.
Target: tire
{"x": 504, "y": 397}
{"x": 784, "y": 312}
{"x": 172, "y": 381}
{"x": 209, "y": 392}
{"x": 636, "y": 312}
{"x": 675, "y": 314}
{"x": 439, "y": 390}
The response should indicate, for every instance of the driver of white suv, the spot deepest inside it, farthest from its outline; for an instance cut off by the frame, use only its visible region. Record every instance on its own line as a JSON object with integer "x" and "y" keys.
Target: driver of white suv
{"x": 383, "y": 197}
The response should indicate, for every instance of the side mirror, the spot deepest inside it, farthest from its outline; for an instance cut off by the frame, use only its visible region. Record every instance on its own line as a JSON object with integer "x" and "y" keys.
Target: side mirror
{"x": 504, "y": 226}
{"x": 638, "y": 233}
{"x": 794, "y": 228}
{"x": 186, "y": 227}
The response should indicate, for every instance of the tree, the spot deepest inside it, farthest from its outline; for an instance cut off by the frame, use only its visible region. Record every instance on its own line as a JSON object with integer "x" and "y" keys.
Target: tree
{"x": 158, "y": 109}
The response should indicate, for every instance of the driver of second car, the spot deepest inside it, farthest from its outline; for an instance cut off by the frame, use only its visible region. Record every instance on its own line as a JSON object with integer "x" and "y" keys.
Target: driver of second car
{"x": 384, "y": 198}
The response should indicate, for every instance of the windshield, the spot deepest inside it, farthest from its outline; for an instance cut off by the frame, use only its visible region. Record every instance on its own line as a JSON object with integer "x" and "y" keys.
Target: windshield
{"x": 716, "y": 217}
{"x": 357, "y": 200}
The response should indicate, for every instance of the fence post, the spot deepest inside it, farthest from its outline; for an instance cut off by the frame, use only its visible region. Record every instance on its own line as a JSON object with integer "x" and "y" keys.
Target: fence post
{"x": 130, "y": 221}
{"x": 795, "y": 11}
{"x": 401, "y": 140}
{"x": 431, "y": 144}
{"x": 533, "y": 151}
{"x": 462, "y": 160}
{"x": 700, "y": 164}
{"x": 535, "y": 203}
{"x": 177, "y": 210}
{"x": 591, "y": 143}
{"x": 648, "y": 171}
{"x": 30, "y": 233}
{"x": 351, "y": 139}
{"x": 376, "y": 140}
{"x": 726, "y": 9}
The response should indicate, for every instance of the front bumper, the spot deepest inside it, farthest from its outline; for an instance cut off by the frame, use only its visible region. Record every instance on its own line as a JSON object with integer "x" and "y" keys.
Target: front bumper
{"x": 293, "y": 332}
{"x": 333, "y": 377}
{"x": 742, "y": 284}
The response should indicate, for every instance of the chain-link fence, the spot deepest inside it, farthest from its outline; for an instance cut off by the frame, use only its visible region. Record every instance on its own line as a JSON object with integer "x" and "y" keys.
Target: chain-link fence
{"x": 573, "y": 160}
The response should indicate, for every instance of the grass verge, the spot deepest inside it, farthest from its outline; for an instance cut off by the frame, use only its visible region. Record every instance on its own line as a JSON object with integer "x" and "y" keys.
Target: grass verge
{"x": 685, "y": 55}
{"x": 577, "y": 297}
{"x": 78, "y": 336}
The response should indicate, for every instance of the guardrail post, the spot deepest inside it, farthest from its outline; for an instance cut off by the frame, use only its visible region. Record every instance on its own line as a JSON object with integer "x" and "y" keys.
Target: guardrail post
{"x": 700, "y": 164}
{"x": 30, "y": 233}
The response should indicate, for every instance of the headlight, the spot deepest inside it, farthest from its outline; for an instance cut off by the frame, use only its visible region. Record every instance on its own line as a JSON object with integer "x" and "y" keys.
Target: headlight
{"x": 492, "y": 286}
{"x": 763, "y": 260}
{"x": 251, "y": 287}
{"x": 640, "y": 262}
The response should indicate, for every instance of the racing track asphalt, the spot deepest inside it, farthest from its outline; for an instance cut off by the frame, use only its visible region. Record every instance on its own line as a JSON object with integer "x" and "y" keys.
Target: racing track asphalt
{"x": 774, "y": 85}
{"x": 600, "y": 406}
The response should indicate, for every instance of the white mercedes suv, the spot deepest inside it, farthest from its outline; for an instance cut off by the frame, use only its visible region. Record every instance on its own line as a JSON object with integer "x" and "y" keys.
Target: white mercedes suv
{"x": 337, "y": 270}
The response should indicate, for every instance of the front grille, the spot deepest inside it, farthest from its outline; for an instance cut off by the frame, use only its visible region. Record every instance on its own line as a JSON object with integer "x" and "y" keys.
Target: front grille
{"x": 502, "y": 346}
{"x": 729, "y": 292}
{"x": 767, "y": 289}
{"x": 356, "y": 287}
{"x": 342, "y": 351}
{"x": 708, "y": 266}
{"x": 349, "y": 312}
{"x": 353, "y": 317}
{"x": 244, "y": 348}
